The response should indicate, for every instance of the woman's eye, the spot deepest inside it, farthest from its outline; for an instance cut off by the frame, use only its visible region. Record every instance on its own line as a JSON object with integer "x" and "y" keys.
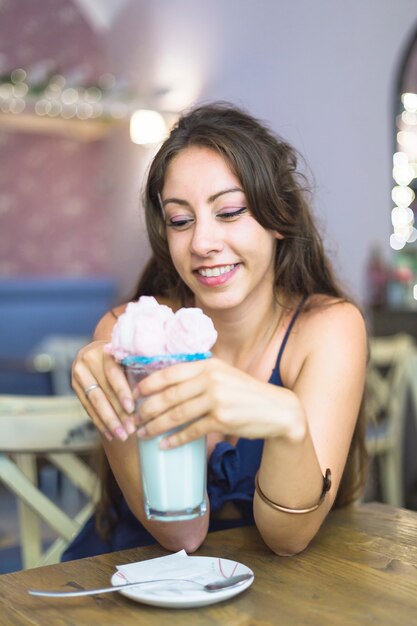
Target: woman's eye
{"x": 179, "y": 223}
{"x": 229, "y": 214}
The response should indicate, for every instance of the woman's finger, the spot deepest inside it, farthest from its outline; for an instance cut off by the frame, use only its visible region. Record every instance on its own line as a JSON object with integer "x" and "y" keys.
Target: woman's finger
{"x": 98, "y": 423}
{"x": 196, "y": 429}
{"x": 172, "y": 375}
{"x": 173, "y": 397}
{"x": 110, "y": 419}
{"x": 117, "y": 380}
{"x": 101, "y": 402}
{"x": 108, "y": 422}
{"x": 180, "y": 415}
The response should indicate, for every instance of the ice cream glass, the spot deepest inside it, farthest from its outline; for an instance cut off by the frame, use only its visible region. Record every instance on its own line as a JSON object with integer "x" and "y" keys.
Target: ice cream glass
{"x": 148, "y": 337}
{"x": 174, "y": 480}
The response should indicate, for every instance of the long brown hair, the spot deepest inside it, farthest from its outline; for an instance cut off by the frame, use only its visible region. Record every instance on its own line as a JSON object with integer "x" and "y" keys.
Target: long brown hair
{"x": 277, "y": 194}
{"x": 276, "y": 191}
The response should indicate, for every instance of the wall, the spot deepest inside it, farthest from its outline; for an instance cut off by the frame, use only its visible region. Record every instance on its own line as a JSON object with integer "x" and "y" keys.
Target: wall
{"x": 322, "y": 73}
{"x": 54, "y": 217}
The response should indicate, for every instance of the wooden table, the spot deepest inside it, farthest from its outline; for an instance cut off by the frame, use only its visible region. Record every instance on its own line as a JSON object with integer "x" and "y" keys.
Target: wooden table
{"x": 360, "y": 569}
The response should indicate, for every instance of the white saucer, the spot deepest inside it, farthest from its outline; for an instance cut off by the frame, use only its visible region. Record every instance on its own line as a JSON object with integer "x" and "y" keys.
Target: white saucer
{"x": 181, "y": 595}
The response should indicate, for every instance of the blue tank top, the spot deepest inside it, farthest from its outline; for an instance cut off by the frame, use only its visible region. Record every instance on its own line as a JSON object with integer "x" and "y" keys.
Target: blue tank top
{"x": 230, "y": 478}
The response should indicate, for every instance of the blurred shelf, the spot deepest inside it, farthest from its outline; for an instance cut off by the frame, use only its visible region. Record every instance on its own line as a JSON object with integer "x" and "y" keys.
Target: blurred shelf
{"x": 385, "y": 321}
{"x": 78, "y": 130}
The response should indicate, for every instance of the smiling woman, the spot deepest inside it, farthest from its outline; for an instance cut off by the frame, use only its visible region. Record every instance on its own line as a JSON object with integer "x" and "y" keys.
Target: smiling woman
{"x": 232, "y": 233}
{"x": 219, "y": 250}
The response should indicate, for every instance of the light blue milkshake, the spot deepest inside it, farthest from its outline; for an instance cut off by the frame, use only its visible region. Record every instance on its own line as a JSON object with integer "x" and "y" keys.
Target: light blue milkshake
{"x": 173, "y": 481}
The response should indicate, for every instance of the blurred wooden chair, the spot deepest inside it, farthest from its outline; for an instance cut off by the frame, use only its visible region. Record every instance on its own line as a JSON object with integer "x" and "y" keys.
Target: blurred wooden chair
{"x": 59, "y": 430}
{"x": 54, "y": 355}
{"x": 389, "y": 381}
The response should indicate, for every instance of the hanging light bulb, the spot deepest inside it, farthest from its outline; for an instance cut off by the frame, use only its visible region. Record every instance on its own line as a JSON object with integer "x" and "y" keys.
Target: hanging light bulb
{"x": 409, "y": 101}
{"x": 402, "y": 196}
{"x": 147, "y": 127}
{"x": 403, "y": 174}
{"x": 396, "y": 242}
{"x": 402, "y": 216}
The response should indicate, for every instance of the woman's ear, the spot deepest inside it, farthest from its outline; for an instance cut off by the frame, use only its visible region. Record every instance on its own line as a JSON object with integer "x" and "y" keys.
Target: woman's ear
{"x": 277, "y": 235}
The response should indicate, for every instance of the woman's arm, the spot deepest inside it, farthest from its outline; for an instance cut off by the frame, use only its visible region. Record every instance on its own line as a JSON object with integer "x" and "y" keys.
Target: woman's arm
{"x": 329, "y": 388}
{"x": 327, "y": 391}
{"x": 307, "y": 427}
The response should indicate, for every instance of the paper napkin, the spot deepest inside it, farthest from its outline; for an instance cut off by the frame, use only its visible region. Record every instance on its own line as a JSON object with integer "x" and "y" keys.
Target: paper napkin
{"x": 177, "y": 566}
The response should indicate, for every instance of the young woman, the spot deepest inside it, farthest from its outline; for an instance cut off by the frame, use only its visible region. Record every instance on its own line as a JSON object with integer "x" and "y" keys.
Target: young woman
{"x": 232, "y": 233}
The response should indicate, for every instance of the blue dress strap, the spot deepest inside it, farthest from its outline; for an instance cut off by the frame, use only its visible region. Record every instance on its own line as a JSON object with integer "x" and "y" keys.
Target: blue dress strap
{"x": 276, "y": 374}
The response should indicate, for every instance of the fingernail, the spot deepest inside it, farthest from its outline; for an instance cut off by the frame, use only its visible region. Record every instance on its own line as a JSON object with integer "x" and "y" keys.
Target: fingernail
{"x": 130, "y": 426}
{"x": 107, "y": 435}
{"x": 141, "y": 432}
{"x": 128, "y": 405}
{"x": 121, "y": 433}
{"x": 165, "y": 444}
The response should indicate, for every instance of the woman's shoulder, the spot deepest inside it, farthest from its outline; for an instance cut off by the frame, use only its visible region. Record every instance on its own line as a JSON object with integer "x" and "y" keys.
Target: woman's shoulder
{"x": 328, "y": 330}
{"x": 322, "y": 309}
{"x": 332, "y": 321}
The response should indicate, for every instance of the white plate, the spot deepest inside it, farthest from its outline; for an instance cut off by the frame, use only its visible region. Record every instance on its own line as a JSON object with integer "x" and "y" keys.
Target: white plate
{"x": 179, "y": 595}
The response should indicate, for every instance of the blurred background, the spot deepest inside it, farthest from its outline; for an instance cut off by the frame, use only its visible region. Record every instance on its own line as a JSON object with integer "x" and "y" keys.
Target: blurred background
{"x": 89, "y": 87}
{"x": 325, "y": 75}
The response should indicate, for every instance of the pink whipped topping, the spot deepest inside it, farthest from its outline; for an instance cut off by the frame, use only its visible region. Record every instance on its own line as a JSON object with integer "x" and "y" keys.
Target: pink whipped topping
{"x": 148, "y": 328}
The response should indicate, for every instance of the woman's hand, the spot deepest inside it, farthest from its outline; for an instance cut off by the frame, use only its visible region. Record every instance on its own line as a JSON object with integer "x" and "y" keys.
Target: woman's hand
{"x": 212, "y": 396}
{"x": 110, "y": 405}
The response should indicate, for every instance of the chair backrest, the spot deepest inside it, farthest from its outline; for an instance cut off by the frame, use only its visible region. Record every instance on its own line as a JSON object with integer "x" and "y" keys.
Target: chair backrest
{"x": 55, "y": 355}
{"x": 388, "y": 385}
{"x": 388, "y": 380}
{"x": 58, "y": 429}
{"x": 42, "y": 424}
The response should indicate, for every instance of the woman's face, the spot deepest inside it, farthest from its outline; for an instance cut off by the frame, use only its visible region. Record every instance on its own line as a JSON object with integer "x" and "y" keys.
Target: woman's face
{"x": 218, "y": 248}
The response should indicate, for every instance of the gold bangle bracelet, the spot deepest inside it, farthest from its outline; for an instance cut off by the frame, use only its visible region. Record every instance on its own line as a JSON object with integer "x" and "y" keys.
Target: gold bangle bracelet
{"x": 327, "y": 483}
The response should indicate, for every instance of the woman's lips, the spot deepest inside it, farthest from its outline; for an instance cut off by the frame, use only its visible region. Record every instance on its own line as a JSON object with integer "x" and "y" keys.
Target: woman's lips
{"x": 217, "y": 275}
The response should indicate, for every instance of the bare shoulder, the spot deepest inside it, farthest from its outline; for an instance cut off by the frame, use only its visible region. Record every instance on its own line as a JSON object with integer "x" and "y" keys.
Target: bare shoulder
{"x": 322, "y": 309}
{"x": 106, "y": 323}
{"x": 327, "y": 330}
{"x": 329, "y": 317}
{"x": 333, "y": 329}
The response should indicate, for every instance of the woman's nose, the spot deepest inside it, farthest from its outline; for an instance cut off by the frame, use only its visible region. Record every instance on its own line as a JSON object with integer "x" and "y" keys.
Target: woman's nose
{"x": 207, "y": 238}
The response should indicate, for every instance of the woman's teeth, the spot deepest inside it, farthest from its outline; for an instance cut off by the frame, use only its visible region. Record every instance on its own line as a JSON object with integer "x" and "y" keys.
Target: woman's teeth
{"x": 215, "y": 271}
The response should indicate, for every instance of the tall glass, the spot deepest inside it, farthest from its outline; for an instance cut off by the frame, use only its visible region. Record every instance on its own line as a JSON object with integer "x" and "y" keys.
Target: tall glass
{"x": 173, "y": 481}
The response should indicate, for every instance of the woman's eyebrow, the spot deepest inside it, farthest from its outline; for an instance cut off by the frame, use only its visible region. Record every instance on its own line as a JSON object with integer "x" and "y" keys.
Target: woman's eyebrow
{"x": 210, "y": 198}
{"x": 221, "y": 193}
{"x": 174, "y": 201}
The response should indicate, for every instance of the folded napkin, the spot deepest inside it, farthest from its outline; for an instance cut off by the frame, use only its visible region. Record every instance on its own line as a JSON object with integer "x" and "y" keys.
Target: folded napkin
{"x": 178, "y": 566}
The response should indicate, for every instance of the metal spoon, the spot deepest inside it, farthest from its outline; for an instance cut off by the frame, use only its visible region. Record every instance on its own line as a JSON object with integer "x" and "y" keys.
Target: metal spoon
{"x": 233, "y": 581}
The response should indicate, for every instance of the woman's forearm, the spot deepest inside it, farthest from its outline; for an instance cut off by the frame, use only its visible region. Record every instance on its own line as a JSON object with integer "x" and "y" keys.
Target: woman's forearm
{"x": 290, "y": 475}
